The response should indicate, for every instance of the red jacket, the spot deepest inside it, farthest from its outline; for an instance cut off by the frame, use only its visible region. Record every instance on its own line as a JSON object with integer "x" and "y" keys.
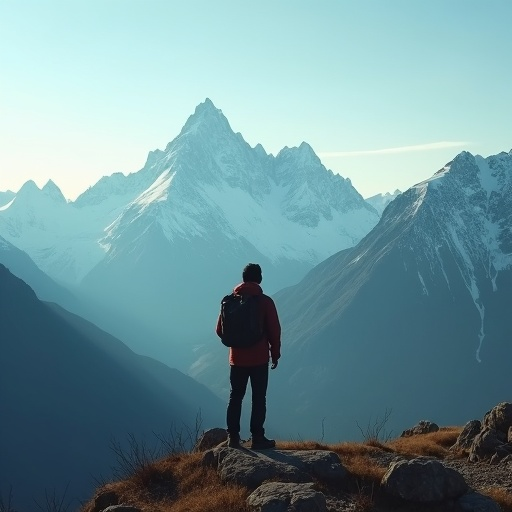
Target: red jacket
{"x": 270, "y": 344}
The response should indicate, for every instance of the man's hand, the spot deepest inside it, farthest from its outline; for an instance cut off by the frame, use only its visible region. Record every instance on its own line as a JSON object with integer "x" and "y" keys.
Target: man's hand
{"x": 274, "y": 364}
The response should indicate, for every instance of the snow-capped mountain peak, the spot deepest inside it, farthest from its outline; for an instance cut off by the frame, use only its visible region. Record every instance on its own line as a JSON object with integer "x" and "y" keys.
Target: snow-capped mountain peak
{"x": 462, "y": 214}
{"x": 29, "y": 187}
{"x": 53, "y": 192}
{"x": 380, "y": 201}
{"x": 206, "y": 119}
{"x": 211, "y": 181}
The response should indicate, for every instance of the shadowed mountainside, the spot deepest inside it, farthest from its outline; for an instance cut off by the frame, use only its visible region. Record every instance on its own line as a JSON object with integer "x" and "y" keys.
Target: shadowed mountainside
{"x": 67, "y": 389}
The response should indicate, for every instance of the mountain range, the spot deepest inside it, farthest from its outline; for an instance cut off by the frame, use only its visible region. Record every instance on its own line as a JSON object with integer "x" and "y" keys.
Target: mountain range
{"x": 149, "y": 255}
{"x": 400, "y": 303}
{"x": 380, "y": 201}
{"x": 415, "y": 319}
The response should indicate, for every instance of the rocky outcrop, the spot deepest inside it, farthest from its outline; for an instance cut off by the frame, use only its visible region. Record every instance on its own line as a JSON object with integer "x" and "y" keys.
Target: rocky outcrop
{"x": 488, "y": 440}
{"x": 251, "y": 468}
{"x": 499, "y": 417}
{"x": 466, "y": 437}
{"x": 489, "y": 443}
{"x": 423, "y": 481}
{"x": 293, "y": 480}
{"x": 423, "y": 427}
{"x": 281, "y": 479}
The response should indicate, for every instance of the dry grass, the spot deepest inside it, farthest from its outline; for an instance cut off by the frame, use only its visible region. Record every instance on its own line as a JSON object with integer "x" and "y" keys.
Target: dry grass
{"x": 435, "y": 444}
{"x": 301, "y": 445}
{"x": 178, "y": 483}
{"x": 500, "y": 496}
{"x": 358, "y": 460}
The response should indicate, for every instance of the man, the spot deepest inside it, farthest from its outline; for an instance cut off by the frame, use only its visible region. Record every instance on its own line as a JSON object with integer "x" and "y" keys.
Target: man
{"x": 252, "y": 363}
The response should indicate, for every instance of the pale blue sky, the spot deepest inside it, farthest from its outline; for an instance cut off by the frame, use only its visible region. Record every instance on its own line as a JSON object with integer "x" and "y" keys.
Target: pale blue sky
{"x": 386, "y": 92}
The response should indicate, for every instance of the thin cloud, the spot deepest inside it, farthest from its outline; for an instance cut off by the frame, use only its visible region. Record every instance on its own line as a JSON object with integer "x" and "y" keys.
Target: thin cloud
{"x": 390, "y": 151}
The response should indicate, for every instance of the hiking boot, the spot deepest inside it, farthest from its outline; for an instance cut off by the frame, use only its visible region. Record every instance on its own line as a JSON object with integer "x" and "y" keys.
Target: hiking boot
{"x": 233, "y": 441}
{"x": 262, "y": 443}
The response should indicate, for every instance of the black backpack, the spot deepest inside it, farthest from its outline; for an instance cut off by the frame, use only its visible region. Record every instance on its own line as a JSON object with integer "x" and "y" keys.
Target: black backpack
{"x": 241, "y": 320}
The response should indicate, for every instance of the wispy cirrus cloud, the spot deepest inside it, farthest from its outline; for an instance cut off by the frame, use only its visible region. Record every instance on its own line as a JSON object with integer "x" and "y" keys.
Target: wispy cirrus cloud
{"x": 432, "y": 146}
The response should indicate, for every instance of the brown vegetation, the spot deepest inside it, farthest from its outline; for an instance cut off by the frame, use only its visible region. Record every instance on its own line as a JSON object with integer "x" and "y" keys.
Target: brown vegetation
{"x": 434, "y": 444}
{"x": 177, "y": 483}
{"x": 500, "y": 496}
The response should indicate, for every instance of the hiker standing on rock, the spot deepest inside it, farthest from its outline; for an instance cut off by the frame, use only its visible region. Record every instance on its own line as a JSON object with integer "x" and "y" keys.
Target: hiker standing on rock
{"x": 248, "y": 323}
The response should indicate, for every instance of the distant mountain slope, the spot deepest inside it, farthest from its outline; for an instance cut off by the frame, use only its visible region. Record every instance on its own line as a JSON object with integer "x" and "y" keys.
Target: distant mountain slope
{"x": 21, "y": 265}
{"x": 380, "y": 201}
{"x": 6, "y": 197}
{"x": 67, "y": 389}
{"x": 415, "y": 318}
{"x": 61, "y": 239}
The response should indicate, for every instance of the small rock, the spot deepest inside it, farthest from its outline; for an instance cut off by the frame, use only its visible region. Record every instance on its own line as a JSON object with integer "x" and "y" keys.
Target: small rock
{"x": 210, "y": 439}
{"x": 423, "y": 427}
{"x": 287, "y": 497}
{"x": 105, "y": 499}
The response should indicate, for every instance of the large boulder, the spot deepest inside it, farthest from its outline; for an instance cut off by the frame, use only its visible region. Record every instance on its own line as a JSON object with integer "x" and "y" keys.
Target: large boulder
{"x": 499, "y": 418}
{"x": 423, "y": 480}
{"x": 466, "y": 437}
{"x": 322, "y": 465}
{"x": 486, "y": 443}
{"x": 287, "y": 497}
{"x": 251, "y": 469}
{"x": 423, "y": 427}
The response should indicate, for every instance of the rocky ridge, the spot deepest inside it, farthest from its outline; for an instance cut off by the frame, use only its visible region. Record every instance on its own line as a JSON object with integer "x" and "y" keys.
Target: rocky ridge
{"x": 318, "y": 480}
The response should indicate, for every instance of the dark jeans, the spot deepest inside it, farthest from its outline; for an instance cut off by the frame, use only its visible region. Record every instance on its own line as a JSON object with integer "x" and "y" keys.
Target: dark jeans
{"x": 238, "y": 378}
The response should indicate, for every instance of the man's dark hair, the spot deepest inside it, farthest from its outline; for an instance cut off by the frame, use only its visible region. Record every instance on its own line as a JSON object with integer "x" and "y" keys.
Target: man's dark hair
{"x": 252, "y": 273}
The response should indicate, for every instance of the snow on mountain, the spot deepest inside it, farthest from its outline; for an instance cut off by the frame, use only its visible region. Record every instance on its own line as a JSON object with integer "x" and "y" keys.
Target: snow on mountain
{"x": 209, "y": 178}
{"x": 212, "y": 203}
{"x": 473, "y": 205}
{"x": 205, "y": 206}
{"x": 60, "y": 239}
{"x": 6, "y": 197}
{"x": 380, "y": 201}
{"x": 287, "y": 206}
